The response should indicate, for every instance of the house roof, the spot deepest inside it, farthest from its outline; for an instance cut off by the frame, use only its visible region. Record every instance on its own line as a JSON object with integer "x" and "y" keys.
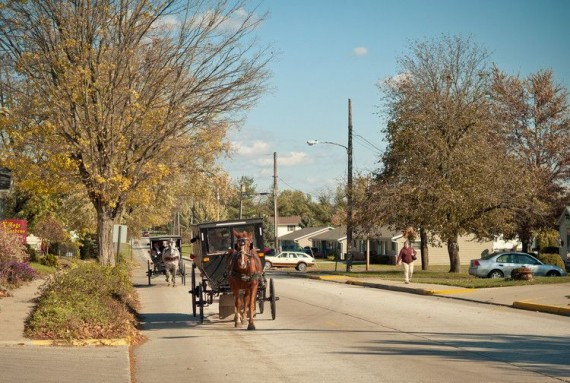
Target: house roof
{"x": 336, "y": 234}
{"x": 378, "y": 232}
{"x": 339, "y": 234}
{"x": 305, "y": 232}
{"x": 291, "y": 220}
{"x": 564, "y": 213}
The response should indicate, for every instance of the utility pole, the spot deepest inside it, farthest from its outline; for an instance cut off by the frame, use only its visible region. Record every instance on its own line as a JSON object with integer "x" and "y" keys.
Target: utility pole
{"x": 241, "y": 191}
{"x": 218, "y": 203}
{"x": 275, "y": 201}
{"x": 349, "y": 193}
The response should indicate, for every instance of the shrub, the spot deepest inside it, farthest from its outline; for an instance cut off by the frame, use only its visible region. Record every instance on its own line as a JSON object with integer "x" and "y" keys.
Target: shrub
{"x": 547, "y": 238}
{"x": 552, "y": 259}
{"x": 521, "y": 273}
{"x": 14, "y": 273}
{"x": 49, "y": 260}
{"x": 32, "y": 254}
{"x": 87, "y": 301}
{"x": 550, "y": 250}
{"x": 88, "y": 247}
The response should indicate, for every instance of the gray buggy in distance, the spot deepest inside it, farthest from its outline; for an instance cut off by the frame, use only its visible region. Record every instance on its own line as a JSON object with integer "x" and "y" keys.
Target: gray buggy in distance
{"x": 155, "y": 265}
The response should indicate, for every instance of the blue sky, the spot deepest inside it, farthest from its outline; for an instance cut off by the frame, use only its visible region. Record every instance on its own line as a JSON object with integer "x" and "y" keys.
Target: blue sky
{"x": 333, "y": 50}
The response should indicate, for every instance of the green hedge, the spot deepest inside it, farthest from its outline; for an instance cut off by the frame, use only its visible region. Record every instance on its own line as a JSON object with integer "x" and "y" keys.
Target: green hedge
{"x": 552, "y": 259}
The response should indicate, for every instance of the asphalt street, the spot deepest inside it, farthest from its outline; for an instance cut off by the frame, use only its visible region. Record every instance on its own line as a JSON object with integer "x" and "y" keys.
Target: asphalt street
{"x": 334, "y": 332}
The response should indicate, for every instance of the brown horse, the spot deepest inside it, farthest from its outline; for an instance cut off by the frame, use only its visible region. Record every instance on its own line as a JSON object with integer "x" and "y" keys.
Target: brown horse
{"x": 244, "y": 273}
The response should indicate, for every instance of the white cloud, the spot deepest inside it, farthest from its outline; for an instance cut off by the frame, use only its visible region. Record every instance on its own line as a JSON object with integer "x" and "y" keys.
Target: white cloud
{"x": 255, "y": 148}
{"x": 360, "y": 51}
{"x": 294, "y": 158}
{"x": 167, "y": 23}
{"x": 396, "y": 81}
{"x": 288, "y": 159}
{"x": 229, "y": 23}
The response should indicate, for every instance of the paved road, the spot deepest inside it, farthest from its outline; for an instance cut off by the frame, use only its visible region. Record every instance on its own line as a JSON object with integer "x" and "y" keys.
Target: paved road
{"x": 338, "y": 333}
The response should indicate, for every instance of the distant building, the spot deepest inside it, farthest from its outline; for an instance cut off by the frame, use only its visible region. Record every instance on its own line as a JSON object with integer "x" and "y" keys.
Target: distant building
{"x": 499, "y": 244}
{"x": 286, "y": 225}
{"x": 384, "y": 244}
{"x": 302, "y": 237}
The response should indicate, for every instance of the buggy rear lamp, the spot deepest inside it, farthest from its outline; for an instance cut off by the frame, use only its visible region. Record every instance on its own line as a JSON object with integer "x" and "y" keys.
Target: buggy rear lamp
{"x": 261, "y": 254}
{"x": 476, "y": 263}
{"x": 192, "y": 257}
{"x": 205, "y": 259}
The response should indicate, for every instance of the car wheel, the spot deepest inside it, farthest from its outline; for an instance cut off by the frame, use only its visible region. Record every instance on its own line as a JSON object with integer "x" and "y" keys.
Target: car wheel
{"x": 495, "y": 274}
{"x": 302, "y": 267}
{"x": 267, "y": 265}
{"x": 553, "y": 273}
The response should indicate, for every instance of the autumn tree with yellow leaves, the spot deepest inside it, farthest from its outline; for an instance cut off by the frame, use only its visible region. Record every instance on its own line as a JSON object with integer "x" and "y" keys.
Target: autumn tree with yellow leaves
{"x": 118, "y": 96}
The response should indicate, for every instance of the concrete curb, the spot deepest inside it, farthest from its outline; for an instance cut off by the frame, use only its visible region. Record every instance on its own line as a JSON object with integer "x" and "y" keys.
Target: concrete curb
{"x": 73, "y": 343}
{"x": 551, "y": 309}
{"x": 444, "y": 293}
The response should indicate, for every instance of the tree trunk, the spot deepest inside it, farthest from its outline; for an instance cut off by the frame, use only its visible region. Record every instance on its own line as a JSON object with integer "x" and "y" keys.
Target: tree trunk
{"x": 525, "y": 239}
{"x": 424, "y": 249}
{"x": 453, "y": 251}
{"x": 105, "y": 238}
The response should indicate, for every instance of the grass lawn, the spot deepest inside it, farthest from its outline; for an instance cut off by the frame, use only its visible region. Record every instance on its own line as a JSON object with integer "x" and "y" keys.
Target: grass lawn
{"x": 42, "y": 269}
{"x": 436, "y": 275}
{"x": 186, "y": 249}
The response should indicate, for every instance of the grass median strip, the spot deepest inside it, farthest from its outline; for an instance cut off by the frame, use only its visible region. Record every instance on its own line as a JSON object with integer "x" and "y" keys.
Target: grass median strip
{"x": 437, "y": 275}
{"x": 87, "y": 303}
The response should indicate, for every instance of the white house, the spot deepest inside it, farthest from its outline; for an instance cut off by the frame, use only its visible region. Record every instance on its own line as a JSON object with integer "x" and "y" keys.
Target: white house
{"x": 301, "y": 238}
{"x": 286, "y": 225}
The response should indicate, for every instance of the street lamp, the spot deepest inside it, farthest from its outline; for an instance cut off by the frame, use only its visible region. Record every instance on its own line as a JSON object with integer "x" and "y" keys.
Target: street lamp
{"x": 348, "y": 186}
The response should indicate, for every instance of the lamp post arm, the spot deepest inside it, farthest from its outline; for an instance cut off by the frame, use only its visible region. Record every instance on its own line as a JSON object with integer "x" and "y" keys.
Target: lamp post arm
{"x": 333, "y": 143}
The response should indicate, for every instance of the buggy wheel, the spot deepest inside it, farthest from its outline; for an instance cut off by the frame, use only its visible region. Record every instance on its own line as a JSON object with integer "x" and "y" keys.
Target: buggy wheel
{"x": 261, "y": 299}
{"x": 193, "y": 291}
{"x": 201, "y": 303}
{"x": 272, "y": 298}
{"x": 148, "y": 272}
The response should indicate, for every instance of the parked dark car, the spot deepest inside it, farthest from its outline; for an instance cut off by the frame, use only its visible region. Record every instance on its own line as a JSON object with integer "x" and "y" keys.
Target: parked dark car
{"x": 312, "y": 251}
{"x": 500, "y": 265}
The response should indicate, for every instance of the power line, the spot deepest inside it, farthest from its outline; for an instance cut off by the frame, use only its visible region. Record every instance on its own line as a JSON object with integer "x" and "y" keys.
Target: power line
{"x": 295, "y": 189}
{"x": 370, "y": 144}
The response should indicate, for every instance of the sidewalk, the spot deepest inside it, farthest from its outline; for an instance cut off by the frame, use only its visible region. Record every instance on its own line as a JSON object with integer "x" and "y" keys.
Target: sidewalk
{"x": 551, "y": 299}
{"x": 26, "y": 360}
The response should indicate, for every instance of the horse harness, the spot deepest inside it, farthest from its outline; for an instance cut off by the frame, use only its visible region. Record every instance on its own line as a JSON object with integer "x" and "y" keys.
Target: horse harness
{"x": 170, "y": 258}
{"x": 240, "y": 276}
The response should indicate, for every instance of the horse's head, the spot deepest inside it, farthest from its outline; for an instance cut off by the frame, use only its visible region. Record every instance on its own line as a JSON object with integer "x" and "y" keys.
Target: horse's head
{"x": 244, "y": 247}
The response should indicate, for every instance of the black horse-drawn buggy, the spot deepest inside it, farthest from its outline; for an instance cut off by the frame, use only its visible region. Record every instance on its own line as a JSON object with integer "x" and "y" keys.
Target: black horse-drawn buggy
{"x": 214, "y": 245}
{"x": 158, "y": 245}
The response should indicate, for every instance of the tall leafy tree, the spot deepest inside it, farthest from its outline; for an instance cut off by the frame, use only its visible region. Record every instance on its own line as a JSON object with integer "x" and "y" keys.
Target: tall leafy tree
{"x": 105, "y": 90}
{"x": 444, "y": 171}
{"x": 535, "y": 122}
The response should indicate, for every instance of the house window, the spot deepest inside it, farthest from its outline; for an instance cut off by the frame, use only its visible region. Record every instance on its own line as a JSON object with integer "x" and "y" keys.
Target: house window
{"x": 417, "y": 245}
{"x": 394, "y": 246}
{"x": 290, "y": 227}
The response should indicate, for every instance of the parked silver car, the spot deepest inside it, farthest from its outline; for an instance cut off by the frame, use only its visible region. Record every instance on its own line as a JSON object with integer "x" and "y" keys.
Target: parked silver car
{"x": 500, "y": 265}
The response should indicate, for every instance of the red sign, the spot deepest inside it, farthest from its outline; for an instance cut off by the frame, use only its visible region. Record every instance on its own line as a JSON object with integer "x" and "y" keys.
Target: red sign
{"x": 16, "y": 226}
